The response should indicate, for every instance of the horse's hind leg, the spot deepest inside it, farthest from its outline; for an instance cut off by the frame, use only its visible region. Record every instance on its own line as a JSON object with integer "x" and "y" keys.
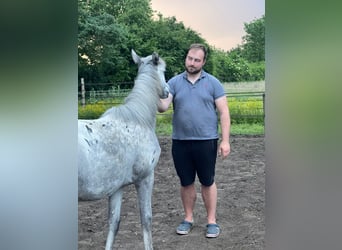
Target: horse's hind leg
{"x": 114, "y": 210}
{"x": 144, "y": 190}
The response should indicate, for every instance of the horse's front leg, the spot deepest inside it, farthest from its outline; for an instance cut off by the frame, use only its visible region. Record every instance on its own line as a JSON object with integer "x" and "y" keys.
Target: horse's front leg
{"x": 114, "y": 210}
{"x": 144, "y": 190}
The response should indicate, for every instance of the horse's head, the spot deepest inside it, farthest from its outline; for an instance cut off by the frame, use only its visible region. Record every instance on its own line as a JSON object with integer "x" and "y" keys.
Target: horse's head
{"x": 159, "y": 65}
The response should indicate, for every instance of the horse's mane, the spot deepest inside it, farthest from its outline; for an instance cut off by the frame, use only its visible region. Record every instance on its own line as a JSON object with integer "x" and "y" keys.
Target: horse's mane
{"x": 140, "y": 106}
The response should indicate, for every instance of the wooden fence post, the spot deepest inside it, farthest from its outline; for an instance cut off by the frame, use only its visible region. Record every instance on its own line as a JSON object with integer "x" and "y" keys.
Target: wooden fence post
{"x": 263, "y": 106}
{"x": 83, "y": 92}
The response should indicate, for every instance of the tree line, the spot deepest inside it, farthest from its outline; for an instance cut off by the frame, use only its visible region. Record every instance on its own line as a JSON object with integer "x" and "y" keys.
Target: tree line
{"x": 109, "y": 29}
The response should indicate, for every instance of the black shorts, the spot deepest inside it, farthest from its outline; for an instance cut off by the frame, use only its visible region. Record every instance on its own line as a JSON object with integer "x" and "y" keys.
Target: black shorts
{"x": 193, "y": 157}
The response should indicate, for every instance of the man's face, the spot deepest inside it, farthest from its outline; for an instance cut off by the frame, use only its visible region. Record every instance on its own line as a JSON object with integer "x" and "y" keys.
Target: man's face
{"x": 194, "y": 61}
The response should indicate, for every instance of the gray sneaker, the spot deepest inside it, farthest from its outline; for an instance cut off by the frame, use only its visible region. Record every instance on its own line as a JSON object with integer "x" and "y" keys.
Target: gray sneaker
{"x": 213, "y": 230}
{"x": 184, "y": 227}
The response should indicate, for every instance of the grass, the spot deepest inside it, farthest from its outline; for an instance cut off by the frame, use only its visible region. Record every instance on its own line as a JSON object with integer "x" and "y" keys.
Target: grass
{"x": 247, "y": 129}
{"x": 164, "y": 127}
{"x": 235, "y": 129}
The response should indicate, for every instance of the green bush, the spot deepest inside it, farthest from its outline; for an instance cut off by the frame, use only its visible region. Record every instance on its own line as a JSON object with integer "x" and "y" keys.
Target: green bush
{"x": 256, "y": 71}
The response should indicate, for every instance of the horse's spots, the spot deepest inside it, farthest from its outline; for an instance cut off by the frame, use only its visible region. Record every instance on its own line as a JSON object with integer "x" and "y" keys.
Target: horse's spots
{"x": 87, "y": 141}
{"x": 103, "y": 125}
{"x": 89, "y": 129}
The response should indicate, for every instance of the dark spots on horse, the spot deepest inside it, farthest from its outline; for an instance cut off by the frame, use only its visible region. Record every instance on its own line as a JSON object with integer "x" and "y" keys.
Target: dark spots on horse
{"x": 103, "y": 125}
{"x": 89, "y": 129}
{"x": 87, "y": 141}
{"x": 152, "y": 160}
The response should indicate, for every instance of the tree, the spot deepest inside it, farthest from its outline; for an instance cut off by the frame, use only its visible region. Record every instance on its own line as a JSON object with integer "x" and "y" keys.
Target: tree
{"x": 108, "y": 30}
{"x": 102, "y": 51}
{"x": 253, "y": 48}
{"x": 171, "y": 40}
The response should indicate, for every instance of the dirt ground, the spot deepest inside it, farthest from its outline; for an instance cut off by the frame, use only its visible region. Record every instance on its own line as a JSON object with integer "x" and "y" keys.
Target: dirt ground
{"x": 240, "y": 181}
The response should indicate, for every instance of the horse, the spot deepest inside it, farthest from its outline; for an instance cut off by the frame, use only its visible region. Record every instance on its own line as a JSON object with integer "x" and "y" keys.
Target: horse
{"x": 121, "y": 148}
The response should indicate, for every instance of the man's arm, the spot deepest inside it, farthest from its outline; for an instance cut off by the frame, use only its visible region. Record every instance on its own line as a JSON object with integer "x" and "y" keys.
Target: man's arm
{"x": 164, "y": 104}
{"x": 222, "y": 107}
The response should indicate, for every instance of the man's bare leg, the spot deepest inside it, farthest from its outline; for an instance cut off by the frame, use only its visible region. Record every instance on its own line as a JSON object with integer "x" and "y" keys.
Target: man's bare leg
{"x": 209, "y": 195}
{"x": 188, "y": 195}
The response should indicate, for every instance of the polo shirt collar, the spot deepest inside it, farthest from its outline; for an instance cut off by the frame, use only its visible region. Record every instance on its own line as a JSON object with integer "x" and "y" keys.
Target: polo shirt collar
{"x": 203, "y": 74}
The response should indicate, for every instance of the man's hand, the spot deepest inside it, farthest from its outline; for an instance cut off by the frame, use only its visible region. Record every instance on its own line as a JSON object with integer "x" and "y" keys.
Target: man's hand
{"x": 224, "y": 149}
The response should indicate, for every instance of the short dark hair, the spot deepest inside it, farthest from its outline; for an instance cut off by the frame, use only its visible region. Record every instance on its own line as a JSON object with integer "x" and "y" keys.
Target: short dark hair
{"x": 199, "y": 46}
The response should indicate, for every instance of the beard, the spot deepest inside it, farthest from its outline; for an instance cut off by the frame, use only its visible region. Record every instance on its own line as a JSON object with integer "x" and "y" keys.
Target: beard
{"x": 192, "y": 70}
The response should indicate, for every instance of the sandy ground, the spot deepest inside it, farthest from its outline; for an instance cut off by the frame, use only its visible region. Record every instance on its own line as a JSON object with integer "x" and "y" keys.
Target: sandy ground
{"x": 240, "y": 181}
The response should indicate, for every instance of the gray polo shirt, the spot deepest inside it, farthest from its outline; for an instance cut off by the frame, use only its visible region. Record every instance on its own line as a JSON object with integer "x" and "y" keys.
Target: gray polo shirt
{"x": 195, "y": 116}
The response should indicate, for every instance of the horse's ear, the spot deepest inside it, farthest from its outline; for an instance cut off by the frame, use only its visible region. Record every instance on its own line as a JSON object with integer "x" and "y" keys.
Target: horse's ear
{"x": 155, "y": 58}
{"x": 135, "y": 57}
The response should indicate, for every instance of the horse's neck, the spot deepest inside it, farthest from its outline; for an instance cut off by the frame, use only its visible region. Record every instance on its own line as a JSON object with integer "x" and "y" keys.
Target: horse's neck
{"x": 143, "y": 96}
{"x": 142, "y": 101}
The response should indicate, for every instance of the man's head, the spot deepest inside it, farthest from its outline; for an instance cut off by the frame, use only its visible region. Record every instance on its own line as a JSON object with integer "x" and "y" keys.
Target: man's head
{"x": 195, "y": 58}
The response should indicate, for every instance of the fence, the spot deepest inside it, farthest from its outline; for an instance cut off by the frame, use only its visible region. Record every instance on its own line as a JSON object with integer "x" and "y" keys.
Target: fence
{"x": 244, "y": 107}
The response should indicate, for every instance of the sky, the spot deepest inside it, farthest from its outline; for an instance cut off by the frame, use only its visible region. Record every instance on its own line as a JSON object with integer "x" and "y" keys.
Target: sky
{"x": 219, "y": 22}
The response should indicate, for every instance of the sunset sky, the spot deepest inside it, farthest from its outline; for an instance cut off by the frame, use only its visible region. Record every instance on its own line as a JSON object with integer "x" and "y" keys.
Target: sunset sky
{"x": 220, "y": 22}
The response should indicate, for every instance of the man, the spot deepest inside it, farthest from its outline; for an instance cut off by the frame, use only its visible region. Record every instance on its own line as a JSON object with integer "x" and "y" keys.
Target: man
{"x": 196, "y": 95}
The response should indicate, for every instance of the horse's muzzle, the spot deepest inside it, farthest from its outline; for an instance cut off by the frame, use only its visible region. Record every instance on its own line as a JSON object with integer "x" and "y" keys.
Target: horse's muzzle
{"x": 165, "y": 93}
